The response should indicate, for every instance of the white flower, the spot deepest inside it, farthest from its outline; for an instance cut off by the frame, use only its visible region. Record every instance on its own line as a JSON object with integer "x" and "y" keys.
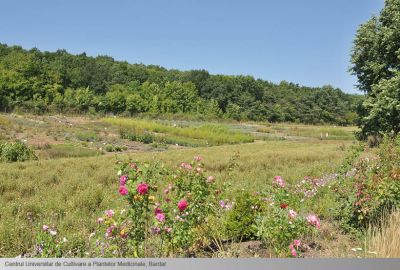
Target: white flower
{"x": 119, "y": 173}
{"x": 53, "y": 233}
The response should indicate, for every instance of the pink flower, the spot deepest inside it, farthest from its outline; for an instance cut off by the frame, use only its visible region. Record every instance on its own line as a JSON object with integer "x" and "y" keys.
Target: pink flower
{"x": 186, "y": 166}
{"x": 110, "y": 230}
{"x": 279, "y": 181}
{"x": 160, "y": 217}
{"x": 109, "y": 213}
{"x": 45, "y": 228}
{"x": 294, "y": 253}
{"x": 198, "y": 158}
{"x": 168, "y": 230}
{"x": 166, "y": 191}
{"x": 134, "y": 166}
{"x": 123, "y": 190}
{"x": 142, "y": 188}
{"x": 292, "y": 213}
{"x": 313, "y": 220}
{"x": 123, "y": 179}
{"x": 100, "y": 220}
{"x": 182, "y": 204}
{"x": 210, "y": 179}
{"x": 157, "y": 211}
{"x": 297, "y": 242}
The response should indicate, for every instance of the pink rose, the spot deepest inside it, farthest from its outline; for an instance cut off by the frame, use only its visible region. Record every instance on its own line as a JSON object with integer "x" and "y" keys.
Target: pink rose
{"x": 160, "y": 217}
{"x": 297, "y": 242}
{"x": 292, "y": 213}
{"x": 182, "y": 204}
{"x": 313, "y": 220}
{"x": 142, "y": 188}
{"x": 123, "y": 190}
{"x": 210, "y": 179}
{"x": 123, "y": 179}
{"x": 279, "y": 181}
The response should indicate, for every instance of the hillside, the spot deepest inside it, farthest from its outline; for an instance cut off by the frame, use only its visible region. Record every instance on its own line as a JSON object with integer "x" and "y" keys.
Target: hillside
{"x": 41, "y": 82}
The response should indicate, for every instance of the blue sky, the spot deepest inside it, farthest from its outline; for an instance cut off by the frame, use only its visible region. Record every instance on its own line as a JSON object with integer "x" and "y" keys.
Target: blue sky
{"x": 306, "y": 42}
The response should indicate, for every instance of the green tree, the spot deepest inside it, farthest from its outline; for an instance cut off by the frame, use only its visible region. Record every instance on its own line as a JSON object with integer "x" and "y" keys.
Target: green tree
{"x": 376, "y": 62}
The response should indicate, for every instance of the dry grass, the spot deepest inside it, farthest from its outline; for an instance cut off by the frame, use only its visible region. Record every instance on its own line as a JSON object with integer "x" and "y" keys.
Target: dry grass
{"x": 385, "y": 241}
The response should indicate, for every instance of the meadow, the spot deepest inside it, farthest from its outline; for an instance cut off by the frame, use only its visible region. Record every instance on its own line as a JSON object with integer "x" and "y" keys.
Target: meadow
{"x": 74, "y": 179}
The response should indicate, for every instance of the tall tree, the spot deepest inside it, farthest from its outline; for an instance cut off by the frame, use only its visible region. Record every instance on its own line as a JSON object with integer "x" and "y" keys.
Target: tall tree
{"x": 376, "y": 63}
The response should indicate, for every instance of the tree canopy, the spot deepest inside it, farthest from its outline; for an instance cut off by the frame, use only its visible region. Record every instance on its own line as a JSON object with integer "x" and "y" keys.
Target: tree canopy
{"x": 41, "y": 82}
{"x": 376, "y": 62}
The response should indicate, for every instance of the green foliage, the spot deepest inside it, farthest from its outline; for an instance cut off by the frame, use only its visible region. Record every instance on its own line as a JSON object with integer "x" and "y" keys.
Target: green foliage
{"x": 372, "y": 190}
{"x": 43, "y": 82}
{"x": 240, "y": 224}
{"x": 375, "y": 60}
{"x": 88, "y": 136}
{"x": 168, "y": 221}
{"x": 17, "y": 151}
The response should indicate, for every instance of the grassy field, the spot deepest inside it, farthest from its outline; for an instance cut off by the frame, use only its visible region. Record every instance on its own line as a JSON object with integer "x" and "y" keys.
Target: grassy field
{"x": 73, "y": 181}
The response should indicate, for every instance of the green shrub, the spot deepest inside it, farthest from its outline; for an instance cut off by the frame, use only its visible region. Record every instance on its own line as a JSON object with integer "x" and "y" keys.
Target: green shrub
{"x": 109, "y": 148}
{"x": 373, "y": 189}
{"x": 88, "y": 136}
{"x": 241, "y": 219}
{"x": 18, "y": 151}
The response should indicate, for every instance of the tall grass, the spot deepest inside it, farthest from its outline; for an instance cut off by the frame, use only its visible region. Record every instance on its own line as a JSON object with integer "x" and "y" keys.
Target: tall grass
{"x": 207, "y": 134}
{"x": 385, "y": 241}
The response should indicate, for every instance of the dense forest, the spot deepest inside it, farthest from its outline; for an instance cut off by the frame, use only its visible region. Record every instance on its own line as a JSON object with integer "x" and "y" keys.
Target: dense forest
{"x": 46, "y": 82}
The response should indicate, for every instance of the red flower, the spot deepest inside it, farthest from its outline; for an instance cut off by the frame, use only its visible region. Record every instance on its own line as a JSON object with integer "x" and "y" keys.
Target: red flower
{"x": 284, "y": 205}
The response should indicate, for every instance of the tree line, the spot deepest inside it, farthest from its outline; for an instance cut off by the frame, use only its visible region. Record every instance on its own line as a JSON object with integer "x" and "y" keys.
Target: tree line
{"x": 43, "y": 82}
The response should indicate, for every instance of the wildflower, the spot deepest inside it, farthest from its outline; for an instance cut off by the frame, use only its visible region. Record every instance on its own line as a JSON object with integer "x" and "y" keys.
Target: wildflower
{"x": 186, "y": 166}
{"x": 123, "y": 233}
{"x": 142, "y": 188}
{"x": 109, "y": 213}
{"x": 313, "y": 220}
{"x": 279, "y": 181}
{"x": 168, "y": 230}
{"x": 65, "y": 240}
{"x": 297, "y": 242}
{"x": 123, "y": 179}
{"x": 198, "y": 158}
{"x": 182, "y": 204}
{"x": 157, "y": 211}
{"x": 100, "y": 220}
{"x": 210, "y": 179}
{"x": 198, "y": 169}
{"x": 283, "y": 205}
{"x": 53, "y": 233}
{"x": 166, "y": 191}
{"x": 123, "y": 190}
{"x": 119, "y": 173}
{"x": 292, "y": 213}
{"x": 45, "y": 228}
{"x": 133, "y": 166}
{"x": 110, "y": 231}
{"x": 160, "y": 217}
{"x": 152, "y": 198}
{"x": 222, "y": 204}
